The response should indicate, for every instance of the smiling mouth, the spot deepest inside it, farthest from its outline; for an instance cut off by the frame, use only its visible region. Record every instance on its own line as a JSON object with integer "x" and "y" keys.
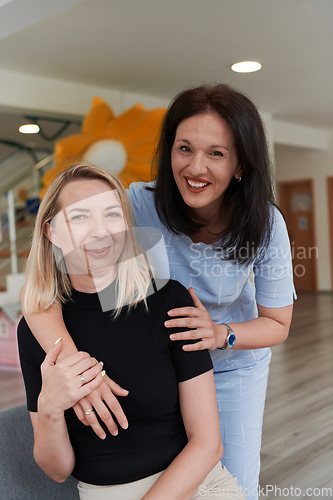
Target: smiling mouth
{"x": 198, "y": 185}
{"x": 97, "y": 252}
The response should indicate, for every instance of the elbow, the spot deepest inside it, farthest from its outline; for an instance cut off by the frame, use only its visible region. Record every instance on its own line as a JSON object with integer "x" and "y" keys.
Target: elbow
{"x": 214, "y": 451}
{"x": 59, "y": 479}
{"x": 55, "y": 475}
{"x": 285, "y": 334}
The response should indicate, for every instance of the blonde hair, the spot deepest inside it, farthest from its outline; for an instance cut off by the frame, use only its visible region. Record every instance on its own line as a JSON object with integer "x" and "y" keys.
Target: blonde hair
{"x": 47, "y": 284}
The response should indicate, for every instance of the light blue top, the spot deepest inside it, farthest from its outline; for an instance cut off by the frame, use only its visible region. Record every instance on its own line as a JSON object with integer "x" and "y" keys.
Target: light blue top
{"x": 224, "y": 288}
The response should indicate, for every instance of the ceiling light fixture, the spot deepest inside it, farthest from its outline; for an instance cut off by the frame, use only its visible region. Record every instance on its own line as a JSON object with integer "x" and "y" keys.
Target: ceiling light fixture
{"x": 246, "y": 67}
{"x": 29, "y": 128}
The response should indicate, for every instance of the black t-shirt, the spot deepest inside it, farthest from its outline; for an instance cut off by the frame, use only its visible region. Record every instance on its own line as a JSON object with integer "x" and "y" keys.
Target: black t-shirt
{"x": 139, "y": 356}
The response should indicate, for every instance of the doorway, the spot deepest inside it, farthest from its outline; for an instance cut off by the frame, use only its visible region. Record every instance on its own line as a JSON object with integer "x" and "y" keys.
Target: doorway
{"x": 330, "y": 215}
{"x": 297, "y": 205}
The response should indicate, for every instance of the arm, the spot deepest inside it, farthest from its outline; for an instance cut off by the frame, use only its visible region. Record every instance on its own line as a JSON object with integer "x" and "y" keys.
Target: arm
{"x": 61, "y": 388}
{"x": 47, "y": 327}
{"x": 274, "y": 288}
{"x": 181, "y": 480}
{"x": 270, "y": 328}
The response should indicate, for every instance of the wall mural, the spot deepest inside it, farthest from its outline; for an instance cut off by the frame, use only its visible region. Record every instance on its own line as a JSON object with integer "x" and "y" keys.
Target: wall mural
{"x": 122, "y": 144}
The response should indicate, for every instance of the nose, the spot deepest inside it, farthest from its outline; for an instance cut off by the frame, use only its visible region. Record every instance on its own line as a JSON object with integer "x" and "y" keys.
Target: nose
{"x": 98, "y": 228}
{"x": 197, "y": 164}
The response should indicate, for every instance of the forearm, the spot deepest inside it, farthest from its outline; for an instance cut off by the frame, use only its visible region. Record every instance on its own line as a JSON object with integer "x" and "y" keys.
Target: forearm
{"x": 48, "y": 326}
{"x": 52, "y": 449}
{"x": 181, "y": 480}
{"x": 255, "y": 334}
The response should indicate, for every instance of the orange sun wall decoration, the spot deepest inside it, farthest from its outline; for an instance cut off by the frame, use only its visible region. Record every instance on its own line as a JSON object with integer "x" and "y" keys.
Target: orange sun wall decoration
{"x": 123, "y": 144}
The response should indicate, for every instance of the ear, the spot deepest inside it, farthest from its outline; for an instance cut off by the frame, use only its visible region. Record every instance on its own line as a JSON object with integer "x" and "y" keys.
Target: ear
{"x": 239, "y": 172}
{"x": 51, "y": 234}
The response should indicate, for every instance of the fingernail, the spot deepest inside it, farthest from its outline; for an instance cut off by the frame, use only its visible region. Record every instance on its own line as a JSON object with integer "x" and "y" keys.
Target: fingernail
{"x": 101, "y": 363}
{"x": 114, "y": 433}
{"x": 171, "y": 313}
{"x": 166, "y": 323}
{"x": 124, "y": 425}
{"x": 57, "y": 341}
{"x": 103, "y": 373}
{"x": 172, "y": 337}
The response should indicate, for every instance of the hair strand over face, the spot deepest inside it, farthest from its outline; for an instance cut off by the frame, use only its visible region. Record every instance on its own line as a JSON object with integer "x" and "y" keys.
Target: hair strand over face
{"x": 46, "y": 283}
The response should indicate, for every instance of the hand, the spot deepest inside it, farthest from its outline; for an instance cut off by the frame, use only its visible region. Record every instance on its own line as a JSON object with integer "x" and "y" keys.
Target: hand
{"x": 62, "y": 385}
{"x": 202, "y": 326}
{"x": 103, "y": 400}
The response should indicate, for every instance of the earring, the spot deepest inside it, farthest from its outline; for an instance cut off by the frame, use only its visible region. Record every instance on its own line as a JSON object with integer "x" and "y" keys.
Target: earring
{"x": 239, "y": 179}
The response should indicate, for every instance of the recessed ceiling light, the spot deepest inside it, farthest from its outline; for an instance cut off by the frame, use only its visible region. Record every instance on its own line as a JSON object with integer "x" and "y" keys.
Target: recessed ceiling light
{"x": 246, "y": 67}
{"x": 29, "y": 128}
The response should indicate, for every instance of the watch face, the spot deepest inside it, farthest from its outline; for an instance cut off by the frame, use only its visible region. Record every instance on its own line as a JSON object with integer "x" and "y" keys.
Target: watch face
{"x": 231, "y": 339}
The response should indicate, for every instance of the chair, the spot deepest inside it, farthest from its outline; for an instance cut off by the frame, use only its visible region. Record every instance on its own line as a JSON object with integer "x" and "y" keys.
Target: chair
{"x": 20, "y": 476}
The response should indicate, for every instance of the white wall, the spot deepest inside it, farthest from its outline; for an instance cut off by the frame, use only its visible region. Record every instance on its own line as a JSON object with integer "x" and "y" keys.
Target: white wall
{"x": 300, "y": 163}
{"x": 300, "y": 151}
{"x": 31, "y": 93}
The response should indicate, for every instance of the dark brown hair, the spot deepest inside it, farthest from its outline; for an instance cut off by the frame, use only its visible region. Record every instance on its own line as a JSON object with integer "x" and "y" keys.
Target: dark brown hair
{"x": 246, "y": 207}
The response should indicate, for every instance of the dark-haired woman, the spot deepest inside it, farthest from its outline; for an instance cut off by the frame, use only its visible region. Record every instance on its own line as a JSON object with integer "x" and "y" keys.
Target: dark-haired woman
{"x": 213, "y": 201}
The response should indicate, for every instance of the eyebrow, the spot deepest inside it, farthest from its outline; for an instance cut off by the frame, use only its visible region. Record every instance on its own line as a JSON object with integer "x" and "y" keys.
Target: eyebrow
{"x": 212, "y": 146}
{"x": 85, "y": 210}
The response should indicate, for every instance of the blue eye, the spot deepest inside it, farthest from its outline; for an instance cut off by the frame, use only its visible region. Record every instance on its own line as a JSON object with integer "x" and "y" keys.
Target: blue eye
{"x": 114, "y": 215}
{"x": 78, "y": 217}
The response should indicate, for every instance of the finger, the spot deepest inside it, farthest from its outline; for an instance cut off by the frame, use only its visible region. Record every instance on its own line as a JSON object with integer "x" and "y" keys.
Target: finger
{"x": 84, "y": 365}
{"x": 116, "y": 409}
{"x": 73, "y": 359}
{"x": 107, "y": 410}
{"x": 94, "y": 423}
{"x": 189, "y": 335}
{"x": 88, "y": 375}
{"x": 115, "y": 388}
{"x": 90, "y": 386}
{"x": 79, "y": 412}
{"x": 91, "y": 419}
{"x": 186, "y": 323}
{"x": 196, "y": 301}
{"x": 185, "y": 311}
{"x": 198, "y": 346}
{"x": 52, "y": 356}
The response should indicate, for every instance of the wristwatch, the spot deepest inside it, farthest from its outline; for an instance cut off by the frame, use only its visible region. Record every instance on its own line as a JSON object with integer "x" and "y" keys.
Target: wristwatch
{"x": 230, "y": 339}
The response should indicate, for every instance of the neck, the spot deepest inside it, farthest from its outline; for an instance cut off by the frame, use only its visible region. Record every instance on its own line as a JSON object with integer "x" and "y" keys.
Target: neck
{"x": 94, "y": 281}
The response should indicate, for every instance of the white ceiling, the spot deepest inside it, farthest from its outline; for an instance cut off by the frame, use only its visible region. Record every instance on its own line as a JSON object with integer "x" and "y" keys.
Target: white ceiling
{"x": 159, "y": 47}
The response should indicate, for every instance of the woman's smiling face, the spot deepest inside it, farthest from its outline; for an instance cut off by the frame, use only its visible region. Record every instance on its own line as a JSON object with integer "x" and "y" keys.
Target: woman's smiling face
{"x": 204, "y": 160}
{"x": 90, "y": 228}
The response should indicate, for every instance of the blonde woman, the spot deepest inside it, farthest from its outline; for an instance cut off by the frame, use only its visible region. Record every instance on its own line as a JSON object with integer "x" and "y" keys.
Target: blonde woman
{"x": 84, "y": 256}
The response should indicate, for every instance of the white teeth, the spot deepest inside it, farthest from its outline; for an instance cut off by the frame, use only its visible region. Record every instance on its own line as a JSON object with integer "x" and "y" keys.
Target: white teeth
{"x": 197, "y": 185}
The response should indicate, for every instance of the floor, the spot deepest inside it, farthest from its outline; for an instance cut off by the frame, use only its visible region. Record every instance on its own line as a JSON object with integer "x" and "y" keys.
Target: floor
{"x": 297, "y": 447}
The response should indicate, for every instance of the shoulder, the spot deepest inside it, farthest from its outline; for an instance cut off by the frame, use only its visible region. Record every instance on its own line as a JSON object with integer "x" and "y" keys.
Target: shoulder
{"x": 171, "y": 294}
{"x": 279, "y": 233}
{"x": 277, "y": 218}
{"x": 139, "y": 192}
{"x": 29, "y": 347}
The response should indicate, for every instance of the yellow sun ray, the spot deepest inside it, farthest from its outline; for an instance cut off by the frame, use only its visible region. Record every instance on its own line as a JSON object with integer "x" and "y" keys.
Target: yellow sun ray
{"x": 134, "y": 133}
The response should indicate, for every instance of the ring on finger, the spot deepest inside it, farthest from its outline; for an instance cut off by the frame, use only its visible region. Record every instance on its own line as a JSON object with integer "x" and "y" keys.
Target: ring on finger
{"x": 82, "y": 379}
{"x": 88, "y": 412}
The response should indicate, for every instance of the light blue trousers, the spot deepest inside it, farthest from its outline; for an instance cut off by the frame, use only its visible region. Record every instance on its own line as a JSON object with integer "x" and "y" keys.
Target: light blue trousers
{"x": 241, "y": 383}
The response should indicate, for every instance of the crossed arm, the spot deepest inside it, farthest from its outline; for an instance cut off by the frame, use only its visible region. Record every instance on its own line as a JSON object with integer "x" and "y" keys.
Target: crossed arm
{"x": 61, "y": 388}
{"x": 270, "y": 328}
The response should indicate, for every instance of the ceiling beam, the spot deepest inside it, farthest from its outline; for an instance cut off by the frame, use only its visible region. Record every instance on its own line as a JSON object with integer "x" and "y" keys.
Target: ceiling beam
{"x": 26, "y": 94}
